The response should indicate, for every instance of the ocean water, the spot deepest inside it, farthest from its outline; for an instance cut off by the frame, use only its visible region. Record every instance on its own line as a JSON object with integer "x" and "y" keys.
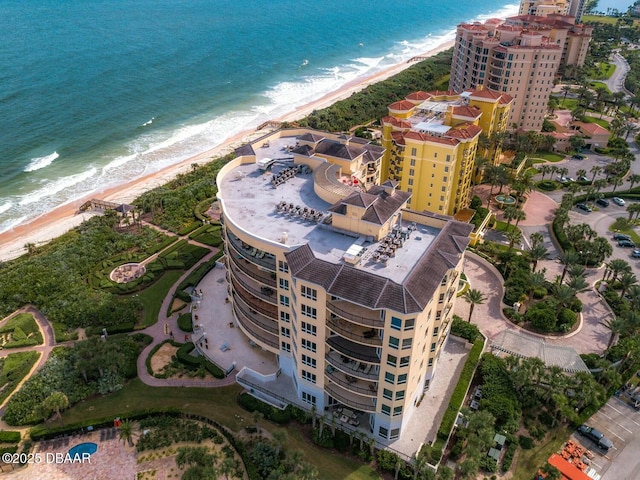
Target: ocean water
{"x": 94, "y": 94}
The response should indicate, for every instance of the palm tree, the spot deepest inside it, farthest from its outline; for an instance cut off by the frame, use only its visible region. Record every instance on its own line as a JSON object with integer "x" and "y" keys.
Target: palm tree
{"x": 565, "y": 89}
{"x": 577, "y": 284}
{"x": 510, "y": 214}
{"x": 536, "y": 238}
{"x": 618, "y": 267}
{"x": 519, "y": 215}
{"x": 567, "y": 259}
{"x": 538, "y": 252}
{"x": 564, "y": 294}
{"x": 126, "y": 432}
{"x": 536, "y": 281}
{"x": 473, "y": 297}
{"x": 616, "y": 326}
{"x": 545, "y": 170}
{"x": 55, "y": 403}
{"x": 626, "y": 280}
{"x": 596, "y": 169}
{"x": 514, "y": 236}
{"x": 633, "y": 179}
{"x": 581, "y": 173}
{"x": 616, "y": 182}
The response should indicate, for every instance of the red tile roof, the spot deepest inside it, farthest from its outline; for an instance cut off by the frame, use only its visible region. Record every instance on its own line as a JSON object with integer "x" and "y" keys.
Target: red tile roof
{"x": 398, "y": 138}
{"x": 420, "y": 96}
{"x": 396, "y": 122}
{"x": 465, "y": 131}
{"x": 468, "y": 112}
{"x": 592, "y": 128}
{"x": 402, "y": 105}
{"x": 430, "y": 138}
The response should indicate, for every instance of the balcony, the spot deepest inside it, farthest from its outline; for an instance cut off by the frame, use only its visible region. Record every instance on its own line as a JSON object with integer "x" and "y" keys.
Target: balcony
{"x": 349, "y": 399}
{"x": 254, "y": 332}
{"x": 241, "y": 263}
{"x": 355, "y": 351}
{"x": 365, "y": 335}
{"x": 351, "y": 383}
{"x": 266, "y": 323}
{"x": 366, "y": 371}
{"x": 356, "y": 313}
{"x": 252, "y": 254}
{"x": 266, "y": 309}
{"x": 266, "y": 294}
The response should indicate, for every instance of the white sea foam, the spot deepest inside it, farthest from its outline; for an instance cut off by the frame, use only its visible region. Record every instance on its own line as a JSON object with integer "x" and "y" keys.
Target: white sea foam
{"x": 148, "y": 122}
{"x": 5, "y": 206}
{"x": 52, "y": 188}
{"x": 41, "y": 162}
{"x": 9, "y": 224}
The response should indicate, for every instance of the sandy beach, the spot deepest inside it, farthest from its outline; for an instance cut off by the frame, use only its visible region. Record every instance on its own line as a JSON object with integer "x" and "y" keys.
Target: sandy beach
{"x": 64, "y": 218}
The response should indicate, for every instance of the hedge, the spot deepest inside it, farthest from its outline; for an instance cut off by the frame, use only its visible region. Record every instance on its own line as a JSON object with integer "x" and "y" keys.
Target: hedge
{"x": 185, "y": 322}
{"x": 8, "y": 436}
{"x": 111, "y": 330}
{"x": 463, "y": 329}
{"x": 201, "y": 207}
{"x": 193, "y": 363}
{"x": 457, "y": 398}
{"x": 251, "y": 403}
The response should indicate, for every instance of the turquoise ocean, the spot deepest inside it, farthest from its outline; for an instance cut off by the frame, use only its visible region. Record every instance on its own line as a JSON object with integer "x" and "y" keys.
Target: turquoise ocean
{"x": 94, "y": 93}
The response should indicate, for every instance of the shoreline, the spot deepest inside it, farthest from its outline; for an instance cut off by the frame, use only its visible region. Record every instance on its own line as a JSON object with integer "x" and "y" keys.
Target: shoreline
{"x": 50, "y": 225}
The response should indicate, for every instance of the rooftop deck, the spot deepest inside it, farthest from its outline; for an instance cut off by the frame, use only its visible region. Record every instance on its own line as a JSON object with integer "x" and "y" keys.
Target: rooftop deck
{"x": 250, "y": 201}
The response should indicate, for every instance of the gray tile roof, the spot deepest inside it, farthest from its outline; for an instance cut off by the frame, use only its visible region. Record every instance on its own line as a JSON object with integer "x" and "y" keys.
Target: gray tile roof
{"x": 245, "y": 149}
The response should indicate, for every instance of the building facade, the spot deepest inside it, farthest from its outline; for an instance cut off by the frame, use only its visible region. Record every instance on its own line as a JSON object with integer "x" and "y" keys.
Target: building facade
{"x": 431, "y": 142}
{"x": 519, "y": 57}
{"x": 542, "y": 8}
{"x": 350, "y": 289}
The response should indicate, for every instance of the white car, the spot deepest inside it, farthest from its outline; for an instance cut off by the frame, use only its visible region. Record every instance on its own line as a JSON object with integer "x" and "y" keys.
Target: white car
{"x": 618, "y": 201}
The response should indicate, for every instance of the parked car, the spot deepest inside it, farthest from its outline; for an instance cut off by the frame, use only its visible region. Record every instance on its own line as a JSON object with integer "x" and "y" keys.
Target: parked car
{"x": 583, "y": 206}
{"x": 602, "y": 202}
{"x": 579, "y": 156}
{"x": 596, "y": 435}
{"x": 582, "y": 178}
{"x": 626, "y": 244}
{"x": 562, "y": 179}
{"x": 618, "y": 201}
{"x": 636, "y": 253}
{"x": 621, "y": 236}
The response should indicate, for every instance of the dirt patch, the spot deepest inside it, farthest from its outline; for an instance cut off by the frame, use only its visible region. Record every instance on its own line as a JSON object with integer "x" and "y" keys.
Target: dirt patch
{"x": 177, "y": 305}
{"x": 162, "y": 357}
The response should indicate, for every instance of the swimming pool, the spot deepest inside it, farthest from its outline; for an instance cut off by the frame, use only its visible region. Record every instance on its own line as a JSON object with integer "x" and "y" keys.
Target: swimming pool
{"x": 82, "y": 448}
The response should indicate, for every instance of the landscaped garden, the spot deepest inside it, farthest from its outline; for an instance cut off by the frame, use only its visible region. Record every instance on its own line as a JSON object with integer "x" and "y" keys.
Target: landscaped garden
{"x": 13, "y": 368}
{"x": 20, "y": 330}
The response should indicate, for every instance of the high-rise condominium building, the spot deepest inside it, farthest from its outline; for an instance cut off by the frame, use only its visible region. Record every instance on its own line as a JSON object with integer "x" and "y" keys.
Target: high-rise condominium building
{"x": 348, "y": 288}
{"x": 542, "y": 8}
{"x": 519, "y": 57}
{"x": 431, "y": 143}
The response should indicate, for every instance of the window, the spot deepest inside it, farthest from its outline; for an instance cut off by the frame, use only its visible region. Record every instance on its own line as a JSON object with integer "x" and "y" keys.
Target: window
{"x": 394, "y": 342}
{"x": 286, "y": 347}
{"x": 308, "y": 376}
{"x": 435, "y": 331}
{"x": 402, "y": 378}
{"x": 404, "y": 361}
{"x": 430, "y": 364}
{"x": 397, "y": 410}
{"x": 441, "y": 298}
{"x": 438, "y": 314}
{"x": 386, "y": 409}
{"x": 308, "y": 398}
{"x": 411, "y": 172}
{"x": 392, "y": 360}
{"x": 396, "y": 323}
{"x": 285, "y": 317}
{"x": 407, "y": 343}
{"x": 284, "y": 300}
{"x": 389, "y": 377}
{"x": 308, "y": 328}
{"x": 307, "y": 360}
{"x": 410, "y": 181}
{"x": 413, "y": 162}
{"x": 400, "y": 395}
{"x": 414, "y": 152}
{"x": 395, "y": 433}
{"x": 446, "y": 169}
{"x": 285, "y": 332}
{"x": 409, "y": 324}
{"x": 308, "y": 311}
{"x": 388, "y": 394}
{"x": 435, "y": 155}
{"x": 283, "y": 266}
{"x": 383, "y": 432}
{"x": 310, "y": 293}
{"x": 284, "y": 284}
{"x": 433, "y": 347}
{"x": 448, "y": 158}
{"x": 308, "y": 345}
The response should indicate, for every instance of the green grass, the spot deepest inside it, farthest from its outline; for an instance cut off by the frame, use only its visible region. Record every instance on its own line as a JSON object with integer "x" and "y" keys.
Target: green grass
{"x": 602, "y": 71}
{"x": 220, "y": 405}
{"x": 532, "y": 171}
{"x": 604, "y": 19}
{"x": 603, "y": 123}
{"x": 153, "y": 296}
{"x": 635, "y": 238}
{"x": 599, "y": 84}
{"x": 568, "y": 103}
{"x": 530, "y": 460}
{"x": 500, "y": 226}
{"x": 548, "y": 156}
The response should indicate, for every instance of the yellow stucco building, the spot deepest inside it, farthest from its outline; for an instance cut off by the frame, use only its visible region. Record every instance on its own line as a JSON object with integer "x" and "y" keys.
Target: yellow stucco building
{"x": 431, "y": 142}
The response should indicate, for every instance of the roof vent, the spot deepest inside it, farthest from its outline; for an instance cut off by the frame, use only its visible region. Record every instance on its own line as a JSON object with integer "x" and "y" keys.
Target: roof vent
{"x": 284, "y": 238}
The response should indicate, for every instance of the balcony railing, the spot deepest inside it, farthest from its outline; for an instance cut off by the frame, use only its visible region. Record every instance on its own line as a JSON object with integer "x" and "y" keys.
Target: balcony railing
{"x": 366, "y": 371}
{"x": 268, "y": 324}
{"x": 352, "y": 384}
{"x": 352, "y": 350}
{"x": 259, "y": 292}
{"x": 251, "y": 252}
{"x": 340, "y": 395}
{"x": 373, "y": 321}
{"x": 268, "y": 310}
{"x": 346, "y": 329}
{"x": 252, "y": 271}
{"x": 253, "y": 331}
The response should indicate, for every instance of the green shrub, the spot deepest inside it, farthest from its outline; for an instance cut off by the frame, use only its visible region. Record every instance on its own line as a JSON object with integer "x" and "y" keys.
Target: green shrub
{"x": 250, "y": 403}
{"x": 525, "y": 442}
{"x": 566, "y": 319}
{"x": 547, "y": 185}
{"x": 194, "y": 363}
{"x": 542, "y": 315}
{"x": 7, "y": 436}
{"x": 185, "y": 322}
{"x": 507, "y": 459}
{"x": 463, "y": 329}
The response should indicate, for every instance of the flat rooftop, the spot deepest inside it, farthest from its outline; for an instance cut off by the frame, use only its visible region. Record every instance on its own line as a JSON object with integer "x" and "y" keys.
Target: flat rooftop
{"x": 250, "y": 200}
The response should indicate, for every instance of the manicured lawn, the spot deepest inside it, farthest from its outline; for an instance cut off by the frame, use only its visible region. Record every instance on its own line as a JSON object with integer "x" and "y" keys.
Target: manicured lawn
{"x": 500, "y": 226}
{"x": 602, "y": 71}
{"x": 603, "y": 123}
{"x": 549, "y": 156}
{"x": 530, "y": 460}
{"x": 631, "y": 232}
{"x": 599, "y": 84}
{"x": 603, "y": 19}
{"x": 532, "y": 171}
{"x": 568, "y": 103}
{"x": 153, "y": 296}
{"x": 220, "y": 405}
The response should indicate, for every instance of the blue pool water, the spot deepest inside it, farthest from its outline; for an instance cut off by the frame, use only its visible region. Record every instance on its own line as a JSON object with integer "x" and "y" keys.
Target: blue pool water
{"x": 82, "y": 448}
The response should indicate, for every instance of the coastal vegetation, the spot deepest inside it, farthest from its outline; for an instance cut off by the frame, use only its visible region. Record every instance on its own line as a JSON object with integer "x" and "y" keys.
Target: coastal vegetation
{"x": 13, "y": 368}
{"x": 20, "y": 331}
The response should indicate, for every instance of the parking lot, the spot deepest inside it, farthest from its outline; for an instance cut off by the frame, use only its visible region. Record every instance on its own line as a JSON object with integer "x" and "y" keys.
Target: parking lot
{"x": 621, "y": 424}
